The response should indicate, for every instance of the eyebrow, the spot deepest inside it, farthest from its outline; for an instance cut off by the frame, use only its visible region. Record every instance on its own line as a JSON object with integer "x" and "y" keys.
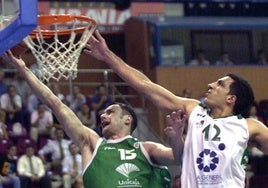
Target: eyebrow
{"x": 221, "y": 82}
{"x": 110, "y": 109}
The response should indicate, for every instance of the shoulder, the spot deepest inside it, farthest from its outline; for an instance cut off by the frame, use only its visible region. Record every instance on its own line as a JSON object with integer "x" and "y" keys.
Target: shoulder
{"x": 48, "y": 112}
{"x": 66, "y": 141}
{"x": 49, "y": 143}
{"x": 38, "y": 159}
{"x": 22, "y": 158}
{"x": 255, "y": 127}
{"x": 254, "y": 123}
{"x": 194, "y": 105}
{"x": 17, "y": 96}
{"x": 3, "y": 96}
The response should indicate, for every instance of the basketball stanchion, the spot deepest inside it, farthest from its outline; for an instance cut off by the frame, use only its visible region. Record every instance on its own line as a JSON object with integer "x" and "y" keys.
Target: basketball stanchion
{"x": 57, "y": 43}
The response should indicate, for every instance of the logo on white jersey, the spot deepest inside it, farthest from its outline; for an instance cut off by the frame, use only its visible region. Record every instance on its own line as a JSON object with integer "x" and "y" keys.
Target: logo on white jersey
{"x": 207, "y": 160}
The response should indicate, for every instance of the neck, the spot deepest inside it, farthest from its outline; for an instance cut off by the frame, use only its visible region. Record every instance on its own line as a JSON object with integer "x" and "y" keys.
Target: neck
{"x": 115, "y": 137}
{"x": 220, "y": 113}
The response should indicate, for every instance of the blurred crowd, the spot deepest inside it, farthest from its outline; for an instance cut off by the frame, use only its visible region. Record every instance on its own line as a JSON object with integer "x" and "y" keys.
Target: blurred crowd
{"x": 34, "y": 150}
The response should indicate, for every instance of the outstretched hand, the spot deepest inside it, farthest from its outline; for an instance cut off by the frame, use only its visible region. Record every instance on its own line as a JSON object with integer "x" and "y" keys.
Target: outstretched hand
{"x": 175, "y": 124}
{"x": 96, "y": 46}
{"x": 10, "y": 58}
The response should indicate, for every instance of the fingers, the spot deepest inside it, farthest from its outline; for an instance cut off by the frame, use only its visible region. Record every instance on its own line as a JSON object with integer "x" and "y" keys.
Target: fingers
{"x": 184, "y": 119}
{"x": 92, "y": 39}
{"x": 175, "y": 118}
{"x": 7, "y": 56}
{"x": 98, "y": 35}
{"x": 175, "y": 115}
{"x": 88, "y": 48}
{"x": 92, "y": 42}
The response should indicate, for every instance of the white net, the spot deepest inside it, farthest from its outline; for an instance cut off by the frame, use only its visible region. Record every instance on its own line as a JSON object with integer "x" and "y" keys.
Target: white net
{"x": 58, "y": 58}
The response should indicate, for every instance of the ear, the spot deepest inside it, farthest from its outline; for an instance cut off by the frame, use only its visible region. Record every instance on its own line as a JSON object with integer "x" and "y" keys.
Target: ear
{"x": 128, "y": 120}
{"x": 231, "y": 99}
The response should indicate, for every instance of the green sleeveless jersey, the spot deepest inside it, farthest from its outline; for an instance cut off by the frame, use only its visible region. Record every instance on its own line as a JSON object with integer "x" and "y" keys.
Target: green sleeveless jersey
{"x": 124, "y": 163}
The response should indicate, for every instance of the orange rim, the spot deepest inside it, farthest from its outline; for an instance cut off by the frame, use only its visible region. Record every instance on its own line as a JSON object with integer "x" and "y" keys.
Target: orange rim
{"x": 60, "y": 18}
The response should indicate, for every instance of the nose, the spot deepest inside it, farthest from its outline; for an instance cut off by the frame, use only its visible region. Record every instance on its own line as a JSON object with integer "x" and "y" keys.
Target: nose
{"x": 210, "y": 86}
{"x": 102, "y": 116}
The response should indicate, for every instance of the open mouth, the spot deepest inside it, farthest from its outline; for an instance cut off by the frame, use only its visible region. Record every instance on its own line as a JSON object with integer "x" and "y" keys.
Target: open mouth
{"x": 104, "y": 124}
{"x": 208, "y": 92}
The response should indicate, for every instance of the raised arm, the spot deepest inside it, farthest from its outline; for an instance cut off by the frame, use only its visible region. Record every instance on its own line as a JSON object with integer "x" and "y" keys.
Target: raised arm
{"x": 174, "y": 130}
{"x": 162, "y": 98}
{"x": 73, "y": 127}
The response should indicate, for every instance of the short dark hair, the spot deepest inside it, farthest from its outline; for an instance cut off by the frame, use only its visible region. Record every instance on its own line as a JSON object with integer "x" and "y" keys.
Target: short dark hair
{"x": 11, "y": 145}
{"x": 244, "y": 95}
{"x": 101, "y": 85}
{"x": 11, "y": 86}
{"x": 130, "y": 110}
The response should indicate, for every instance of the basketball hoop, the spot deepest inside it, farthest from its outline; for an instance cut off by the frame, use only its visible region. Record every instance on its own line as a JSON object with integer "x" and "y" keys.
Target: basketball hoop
{"x": 57, "y": 43}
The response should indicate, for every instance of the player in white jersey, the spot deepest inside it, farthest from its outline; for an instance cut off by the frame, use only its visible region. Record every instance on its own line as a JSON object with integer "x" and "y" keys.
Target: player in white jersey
{"x": 217, "y": 134}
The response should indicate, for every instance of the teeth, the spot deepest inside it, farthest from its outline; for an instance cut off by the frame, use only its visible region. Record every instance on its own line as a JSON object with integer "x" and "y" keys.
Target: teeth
{"x": 104, "y": 124}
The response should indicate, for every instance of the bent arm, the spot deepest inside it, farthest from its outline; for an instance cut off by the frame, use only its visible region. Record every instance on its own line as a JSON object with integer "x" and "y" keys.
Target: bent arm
{"x": 159, "y": 154}
{"x": 73, "y": 127}
{"x": 258, "y": 133}
{"x": 161, "y": 97}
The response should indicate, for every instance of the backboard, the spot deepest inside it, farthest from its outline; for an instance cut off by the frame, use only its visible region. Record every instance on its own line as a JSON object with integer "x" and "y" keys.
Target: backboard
{"x": 18, "y": 18}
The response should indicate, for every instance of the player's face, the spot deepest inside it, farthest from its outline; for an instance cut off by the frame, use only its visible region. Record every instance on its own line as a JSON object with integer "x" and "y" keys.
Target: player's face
{"x": 218, "y": 92}
{"x": 112, "y": 121}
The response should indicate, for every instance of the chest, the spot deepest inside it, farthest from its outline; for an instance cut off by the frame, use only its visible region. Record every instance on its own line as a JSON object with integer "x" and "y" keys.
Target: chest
{"x": 225, "y": 136}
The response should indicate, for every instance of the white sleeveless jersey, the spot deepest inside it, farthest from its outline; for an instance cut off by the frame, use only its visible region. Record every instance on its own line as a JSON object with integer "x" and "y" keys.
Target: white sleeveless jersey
{"x": 213, "y": 151}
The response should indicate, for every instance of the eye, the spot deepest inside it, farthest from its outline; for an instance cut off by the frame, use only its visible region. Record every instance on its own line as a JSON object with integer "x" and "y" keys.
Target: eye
{"x": 108, "y": 112}
{"x": 220, "y": 83}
